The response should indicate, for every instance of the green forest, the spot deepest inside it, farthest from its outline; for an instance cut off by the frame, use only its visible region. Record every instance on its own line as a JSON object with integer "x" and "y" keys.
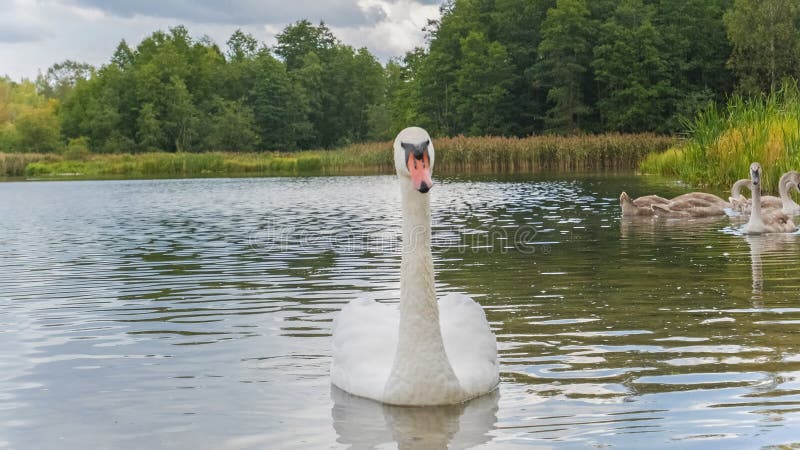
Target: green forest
{"x": 490, "y": 67}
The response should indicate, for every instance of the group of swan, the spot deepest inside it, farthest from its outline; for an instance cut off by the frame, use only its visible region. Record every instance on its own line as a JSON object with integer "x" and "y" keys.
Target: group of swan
{"x": 424, "y": 352}
{"x": 784, "y": 202}
{"x": 768, "y": 214}
{"x": 693, "y": 204}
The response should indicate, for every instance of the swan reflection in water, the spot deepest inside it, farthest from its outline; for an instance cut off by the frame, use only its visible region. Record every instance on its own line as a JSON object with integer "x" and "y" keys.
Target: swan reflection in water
{"x": 649, "y": 229}
{"x": 362, "y": 423}
{"x": 780, "y": 243}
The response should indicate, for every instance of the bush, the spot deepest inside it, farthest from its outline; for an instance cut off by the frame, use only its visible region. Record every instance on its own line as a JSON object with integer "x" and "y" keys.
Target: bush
{"x": 309, "y": 164}
{"x": 38, "y": 130}
{"x": 77, "y": 149}
{"x": 14, "y": 164}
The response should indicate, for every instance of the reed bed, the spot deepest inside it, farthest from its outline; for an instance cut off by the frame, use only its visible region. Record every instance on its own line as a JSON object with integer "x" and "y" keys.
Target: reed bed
{"x": 14, "y": 164}
{"x": 724, "y": 141}
{"x": 159, "y": 164}
{"x": 453, "y": 155}
{"x": 547, "y": 153}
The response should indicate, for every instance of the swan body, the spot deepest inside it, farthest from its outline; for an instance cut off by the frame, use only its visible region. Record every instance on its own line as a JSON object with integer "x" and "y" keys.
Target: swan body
{"x": 770, "y": 221}
{"x": 702, "y": 198}
{"x": 790, "y": 206}
{"x": 693, "y": 204}
{"x": 641, "y": 206}
{"x": 647, "y": 200}
{"x": 424, "y": 352}
{"x": 691, "y": 209}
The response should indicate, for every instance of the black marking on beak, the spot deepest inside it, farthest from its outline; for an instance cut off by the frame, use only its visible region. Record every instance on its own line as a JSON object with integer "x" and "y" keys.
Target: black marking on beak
{"x": 418, "y": 150}
{"x": 755, "y": 176}
{"x": 423, "y": 187}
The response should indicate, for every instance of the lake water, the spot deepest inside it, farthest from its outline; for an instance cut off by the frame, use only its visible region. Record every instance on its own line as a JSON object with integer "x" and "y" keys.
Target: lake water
{"x": 196, "y": 314}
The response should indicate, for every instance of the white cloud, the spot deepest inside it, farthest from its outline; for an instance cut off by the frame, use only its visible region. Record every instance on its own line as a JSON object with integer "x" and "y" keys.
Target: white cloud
{"x": 34, "y": 34}
{"x": 236, "y": 12}
{"x": 399, "y": 31}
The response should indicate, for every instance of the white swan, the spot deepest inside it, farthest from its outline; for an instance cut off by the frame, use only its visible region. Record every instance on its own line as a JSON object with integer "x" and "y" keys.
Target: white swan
{"x": 771, "y": 221}
{"x": 425, "y": 353}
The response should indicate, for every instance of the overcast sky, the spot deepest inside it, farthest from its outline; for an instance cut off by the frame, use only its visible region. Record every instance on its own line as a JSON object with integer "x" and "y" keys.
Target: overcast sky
{"x": 34, "y": 34}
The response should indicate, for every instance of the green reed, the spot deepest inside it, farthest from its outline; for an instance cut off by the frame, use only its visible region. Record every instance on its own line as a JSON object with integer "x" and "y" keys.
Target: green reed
{"x": 453, "y": 155}
{"x": 725, "y": 141}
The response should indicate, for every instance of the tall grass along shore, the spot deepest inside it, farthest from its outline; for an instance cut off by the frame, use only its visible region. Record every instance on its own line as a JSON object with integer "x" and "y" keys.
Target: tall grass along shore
{"x": 462, "y": 154}
{"x": 724, "y": 141}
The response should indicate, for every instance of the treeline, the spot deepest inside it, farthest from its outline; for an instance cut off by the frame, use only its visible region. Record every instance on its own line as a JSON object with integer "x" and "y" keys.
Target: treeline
{"x": 491, "y": 67}
{"x": 176, "y": 93}
{"x": 525, "y": 67}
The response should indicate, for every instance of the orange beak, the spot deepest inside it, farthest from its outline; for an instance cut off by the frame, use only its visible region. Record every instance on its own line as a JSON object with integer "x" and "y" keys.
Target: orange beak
{"x": 420, "y": 170}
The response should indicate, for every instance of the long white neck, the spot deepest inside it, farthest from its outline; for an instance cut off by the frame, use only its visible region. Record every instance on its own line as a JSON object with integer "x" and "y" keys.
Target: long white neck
{"x": 756, "y": 223}
{"x": 421, "y": 372}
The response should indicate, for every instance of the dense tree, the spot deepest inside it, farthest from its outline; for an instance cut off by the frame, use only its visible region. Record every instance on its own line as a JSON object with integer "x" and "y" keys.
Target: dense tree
{"x": 696, "y": 50}
{"x": 482, "y": 86}
{"x": 437, "y": 71}
{"x": 309, "y": 79}
{"x": 280, "y": 107}
{"x": 353, "y": 83}
{"x": 631, "y": 70}
{"x": 38, "y": 130}
{"x": 566, "y": 58}
{"x": 149, "y": 133}
{"x": 123, "y": 56}
{"x": 509, "y": 67}
{"x": 518, "y": 28}
{"x": 765, "y": 37}
{"x": 27, "y": 119}
{"x": 232, "y": 127}
{"x": 239, "y": 74}
{"x": 181, "y": 118}
{"x": 94, "y": 110}
{"x": 241, "y": 46}
{"x": 338, "y": 85}
{"x": 302, "y": 38}
{"x": 403, "y": 97}
{"x": 551, "y": 46}
{"x": 62, "y": 77}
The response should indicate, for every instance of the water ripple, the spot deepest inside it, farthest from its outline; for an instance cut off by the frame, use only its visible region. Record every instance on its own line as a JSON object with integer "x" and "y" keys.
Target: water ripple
{"x": 197, "y": 314}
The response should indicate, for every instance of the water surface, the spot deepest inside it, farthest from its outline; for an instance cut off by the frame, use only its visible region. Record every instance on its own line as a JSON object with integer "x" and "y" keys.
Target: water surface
{"x": 196, "y": 314}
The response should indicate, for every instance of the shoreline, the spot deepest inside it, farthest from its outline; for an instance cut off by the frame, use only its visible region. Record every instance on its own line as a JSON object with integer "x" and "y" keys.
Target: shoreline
{"x": 468, "y": 155}
{"x": 445, "y": 174}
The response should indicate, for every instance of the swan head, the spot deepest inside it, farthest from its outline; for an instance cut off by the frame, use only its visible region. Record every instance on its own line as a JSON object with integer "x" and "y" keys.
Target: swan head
{"x": 414, "y": 156}
{"x": 794, "y": 178}
{"x": 755, "y": 173}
